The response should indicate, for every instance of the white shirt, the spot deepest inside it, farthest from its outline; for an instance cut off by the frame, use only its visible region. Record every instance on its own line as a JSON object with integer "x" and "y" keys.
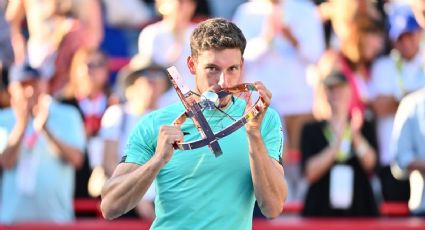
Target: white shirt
{"x": 156, "y": 42}
{"x": 117, "y": 123}
{"x": 387, "y": 80}
{"x": 279, "y": 65}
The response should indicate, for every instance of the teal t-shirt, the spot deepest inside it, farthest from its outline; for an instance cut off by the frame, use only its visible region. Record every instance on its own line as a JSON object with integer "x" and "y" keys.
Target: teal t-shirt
{"x": 195, "y": 189}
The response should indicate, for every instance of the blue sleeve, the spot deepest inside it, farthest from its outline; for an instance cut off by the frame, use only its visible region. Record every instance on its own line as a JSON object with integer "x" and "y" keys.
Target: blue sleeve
{"x": 141, "y": 143}
{"x": 272, "y": 132}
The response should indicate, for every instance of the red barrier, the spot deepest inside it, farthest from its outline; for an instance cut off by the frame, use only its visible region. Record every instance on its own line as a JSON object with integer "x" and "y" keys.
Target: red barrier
{"x": 294, "y": 207}
{"x": 88, "y": 206}
{"x": 394, "y": 209}
{"x": 386, "y": 208}
{"x": 293, "y": 223}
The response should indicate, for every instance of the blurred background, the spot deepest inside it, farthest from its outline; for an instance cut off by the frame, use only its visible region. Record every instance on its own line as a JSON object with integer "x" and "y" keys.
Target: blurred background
{"x": 338, "y": 70}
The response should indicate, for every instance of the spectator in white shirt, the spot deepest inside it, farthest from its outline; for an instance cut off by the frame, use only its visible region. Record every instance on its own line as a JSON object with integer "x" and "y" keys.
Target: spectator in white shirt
{"x": 392, "y": 77}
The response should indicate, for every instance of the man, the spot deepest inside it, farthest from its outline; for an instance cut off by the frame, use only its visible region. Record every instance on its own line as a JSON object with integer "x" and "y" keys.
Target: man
{"x": 196, "y": 190}
{"x": 392, "y": 77}
{"x": 409, "y": 128}
{"x": 142, "y": 86}
{"x": 43, "y": 145}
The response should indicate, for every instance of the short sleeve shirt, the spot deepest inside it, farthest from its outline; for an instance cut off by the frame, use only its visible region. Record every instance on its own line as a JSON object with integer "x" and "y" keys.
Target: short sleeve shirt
{"x": 195, "y": 189}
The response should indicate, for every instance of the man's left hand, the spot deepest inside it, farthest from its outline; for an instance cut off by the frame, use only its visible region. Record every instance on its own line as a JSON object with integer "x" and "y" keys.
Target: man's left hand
{"x": 41, "y": 112}
{"x": 265, "y": 96}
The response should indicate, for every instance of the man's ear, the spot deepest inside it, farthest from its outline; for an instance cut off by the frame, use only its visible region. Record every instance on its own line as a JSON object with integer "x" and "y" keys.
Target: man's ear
{"x": 191, "y": 65}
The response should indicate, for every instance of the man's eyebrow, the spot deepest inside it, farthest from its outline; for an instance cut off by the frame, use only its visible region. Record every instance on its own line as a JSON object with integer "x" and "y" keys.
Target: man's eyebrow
{"x": 236, "y": 65}
{"x": 212, "y": 65}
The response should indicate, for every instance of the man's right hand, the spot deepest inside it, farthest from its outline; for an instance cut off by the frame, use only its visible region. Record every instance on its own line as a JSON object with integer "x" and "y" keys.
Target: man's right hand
{"x": 168, "y": 135}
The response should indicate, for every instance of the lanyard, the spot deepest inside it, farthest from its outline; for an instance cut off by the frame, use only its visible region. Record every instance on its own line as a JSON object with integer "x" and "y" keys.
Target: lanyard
{"x": 398, "y": 60}
{"x": 30, "y": 139}
{"x": 345, "y": 147}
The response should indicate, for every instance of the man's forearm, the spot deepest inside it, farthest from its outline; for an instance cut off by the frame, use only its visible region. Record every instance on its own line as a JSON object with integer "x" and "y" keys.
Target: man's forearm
{"x": 268, "y": 177}
{"x": 122, "y": 192}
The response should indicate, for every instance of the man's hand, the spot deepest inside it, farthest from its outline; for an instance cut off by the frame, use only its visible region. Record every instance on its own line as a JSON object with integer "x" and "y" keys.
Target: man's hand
{"x": 265, "y": 97}
{"x": 167, "y": 137}
{"x": 41, "y": 112}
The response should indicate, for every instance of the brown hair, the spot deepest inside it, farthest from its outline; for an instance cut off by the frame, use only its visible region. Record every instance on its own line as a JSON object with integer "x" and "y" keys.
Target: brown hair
{"x": 216, "y": 33}
{"x": 352, "y": 47}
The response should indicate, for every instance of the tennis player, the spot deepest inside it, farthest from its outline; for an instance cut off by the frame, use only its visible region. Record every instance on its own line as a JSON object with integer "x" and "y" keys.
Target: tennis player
{"x": 195, "y": 189}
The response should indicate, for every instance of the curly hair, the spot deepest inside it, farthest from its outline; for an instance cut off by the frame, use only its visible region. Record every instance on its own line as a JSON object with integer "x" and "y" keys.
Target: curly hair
{"x": 218, "y": 34}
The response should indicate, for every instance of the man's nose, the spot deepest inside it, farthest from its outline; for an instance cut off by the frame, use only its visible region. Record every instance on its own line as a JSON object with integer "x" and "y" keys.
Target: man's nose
{"x": 222, "y": 81}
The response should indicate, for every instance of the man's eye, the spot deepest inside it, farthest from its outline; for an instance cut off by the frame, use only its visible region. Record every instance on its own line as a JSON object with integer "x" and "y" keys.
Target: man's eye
{"x": 212, "y": 68}
{"x": 234, "y": 68}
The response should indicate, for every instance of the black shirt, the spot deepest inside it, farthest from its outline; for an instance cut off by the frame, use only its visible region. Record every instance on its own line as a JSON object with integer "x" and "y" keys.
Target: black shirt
{"x": 317, "y": 202}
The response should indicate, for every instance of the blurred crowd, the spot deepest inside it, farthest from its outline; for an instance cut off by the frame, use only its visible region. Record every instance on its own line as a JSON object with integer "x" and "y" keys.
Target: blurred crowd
{"x": 339, "y": 70}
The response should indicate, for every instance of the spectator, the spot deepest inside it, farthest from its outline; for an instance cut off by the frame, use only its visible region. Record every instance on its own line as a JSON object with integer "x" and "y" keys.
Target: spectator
{"x": 44, "y": 145}
{"x": 354, "y": 58}
{"x": 408, "y": 142}
{"x": 166, "y": 42}
{"x": 143, "y": 87}
{"x": 89, "y": 92}
{"x": 284, "y": 39}
{"x": 338, "y": 155}
{"x": 409, "y": 132}
{"x": 392, "y": 77}
{"x": 54, "y": 37}
{"x": 89, "y": 86}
